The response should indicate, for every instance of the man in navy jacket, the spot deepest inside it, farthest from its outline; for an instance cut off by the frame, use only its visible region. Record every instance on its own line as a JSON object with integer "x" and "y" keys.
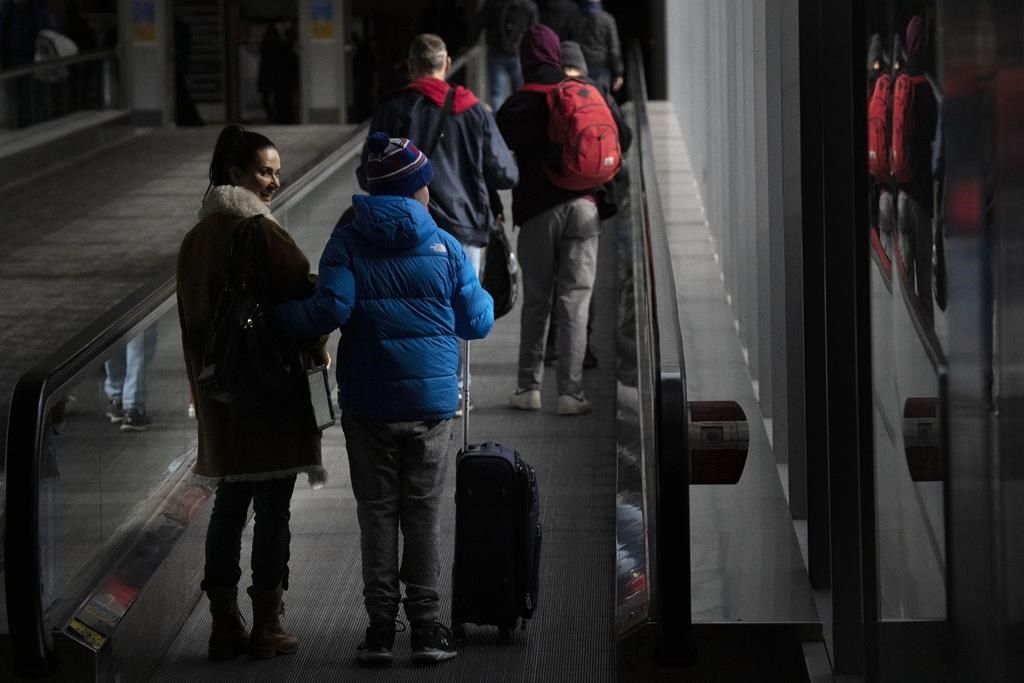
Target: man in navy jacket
{"x": 402, "y": 292}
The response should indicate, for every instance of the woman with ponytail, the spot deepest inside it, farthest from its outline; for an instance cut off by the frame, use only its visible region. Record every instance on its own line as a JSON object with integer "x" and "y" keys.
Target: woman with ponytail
{"x": 251, "y": 459}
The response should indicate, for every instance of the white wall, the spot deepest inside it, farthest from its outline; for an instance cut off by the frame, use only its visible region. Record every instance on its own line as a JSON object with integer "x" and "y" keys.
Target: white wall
{"x": 732, "y": 74}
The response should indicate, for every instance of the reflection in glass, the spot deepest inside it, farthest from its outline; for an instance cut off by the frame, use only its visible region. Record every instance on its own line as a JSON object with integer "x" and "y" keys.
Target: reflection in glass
{"x": 908, "y": 323}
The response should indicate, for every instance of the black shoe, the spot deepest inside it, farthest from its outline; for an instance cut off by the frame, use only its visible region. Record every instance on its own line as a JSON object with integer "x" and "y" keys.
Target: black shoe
{"x": 134, "y": 421}
{"x": 590, "y": 358}
{"x": 116, "y": 411}
{"x": 376, "y": 647}
{"x": 431, "y": 644}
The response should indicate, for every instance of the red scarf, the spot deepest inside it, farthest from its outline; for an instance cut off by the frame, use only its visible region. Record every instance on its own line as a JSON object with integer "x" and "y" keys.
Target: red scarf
{"x": 436, "y": 91}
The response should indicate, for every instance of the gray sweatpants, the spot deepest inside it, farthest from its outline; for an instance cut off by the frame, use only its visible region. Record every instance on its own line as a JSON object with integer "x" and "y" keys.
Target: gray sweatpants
{"x": 557, "y": 248}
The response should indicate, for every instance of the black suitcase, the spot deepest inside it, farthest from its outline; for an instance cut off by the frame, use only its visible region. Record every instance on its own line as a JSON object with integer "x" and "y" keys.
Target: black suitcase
{"x": 497, "y": 536}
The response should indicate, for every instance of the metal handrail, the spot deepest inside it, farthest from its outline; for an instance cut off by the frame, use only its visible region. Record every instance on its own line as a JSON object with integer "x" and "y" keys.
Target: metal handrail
{"x": 29, "y": 69}
{"x": 670, "y": 529}
{"x": 38, "y": 390}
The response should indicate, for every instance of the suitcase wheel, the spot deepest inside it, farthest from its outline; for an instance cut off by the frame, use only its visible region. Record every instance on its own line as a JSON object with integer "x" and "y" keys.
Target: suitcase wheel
{"x": 459, "y": 632}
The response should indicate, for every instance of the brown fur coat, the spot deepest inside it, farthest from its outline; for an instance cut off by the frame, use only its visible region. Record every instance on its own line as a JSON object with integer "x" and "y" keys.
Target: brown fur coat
{"x": 234, "y": 446}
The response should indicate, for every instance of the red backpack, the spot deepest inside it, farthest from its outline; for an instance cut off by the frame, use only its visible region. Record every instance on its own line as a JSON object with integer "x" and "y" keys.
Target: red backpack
{"x": 901, "y": 157}
{"x": 580, "y": 122}
{"x": 878, "y": 129}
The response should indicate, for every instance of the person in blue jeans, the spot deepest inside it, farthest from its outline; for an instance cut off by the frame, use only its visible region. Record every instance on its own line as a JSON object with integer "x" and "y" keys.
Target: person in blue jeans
{"x": 504, "y": 23}
{"x": 125, "y": 383}
{"x": 403, "y": 293}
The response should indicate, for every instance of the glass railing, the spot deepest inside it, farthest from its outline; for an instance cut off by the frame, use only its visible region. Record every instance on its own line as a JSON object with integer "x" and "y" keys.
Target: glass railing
{"x": 652, "y": 511}
{"x": 44, "y": 91}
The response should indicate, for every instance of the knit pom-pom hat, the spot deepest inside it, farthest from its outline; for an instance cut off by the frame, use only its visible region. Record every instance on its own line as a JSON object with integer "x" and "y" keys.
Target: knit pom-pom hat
{"x": 394, "y": 166}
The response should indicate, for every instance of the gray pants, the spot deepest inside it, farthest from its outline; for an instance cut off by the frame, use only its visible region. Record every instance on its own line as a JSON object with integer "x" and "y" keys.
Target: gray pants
{"x": 557, "y": 248}
{"x": 398, "y": 472}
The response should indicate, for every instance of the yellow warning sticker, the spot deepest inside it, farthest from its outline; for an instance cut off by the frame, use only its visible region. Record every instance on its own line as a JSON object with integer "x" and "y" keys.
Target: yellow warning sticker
{"x": 90, "y": 635}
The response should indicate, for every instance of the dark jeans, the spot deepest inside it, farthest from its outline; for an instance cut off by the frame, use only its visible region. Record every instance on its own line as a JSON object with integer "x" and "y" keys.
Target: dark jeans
{"x": 398, "y": 471}
{"x": 272, "y": 501}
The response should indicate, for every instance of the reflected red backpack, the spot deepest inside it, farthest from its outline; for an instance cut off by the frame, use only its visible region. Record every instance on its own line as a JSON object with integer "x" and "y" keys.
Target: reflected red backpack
{"x": 878, "y": 129}
{"x": 901, "y": 157}
{"x": 582, "y": 127}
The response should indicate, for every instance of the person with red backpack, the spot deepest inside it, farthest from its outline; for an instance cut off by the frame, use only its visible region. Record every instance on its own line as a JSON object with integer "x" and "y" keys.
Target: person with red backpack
{"x": 567, "y": 145}
{"x": 914, "y": 117}
{"x": 881, "y": 206}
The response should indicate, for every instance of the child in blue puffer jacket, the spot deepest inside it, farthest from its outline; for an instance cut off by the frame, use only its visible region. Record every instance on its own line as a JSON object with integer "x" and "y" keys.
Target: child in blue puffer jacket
{"x": 403, "y": 293}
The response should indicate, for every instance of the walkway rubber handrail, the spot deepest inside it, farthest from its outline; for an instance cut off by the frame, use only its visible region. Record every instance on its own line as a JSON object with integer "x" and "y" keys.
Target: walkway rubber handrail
{"x": 29, "y": 69}
{"x": 670, "y": 528}
{"x": 40, "y": 388}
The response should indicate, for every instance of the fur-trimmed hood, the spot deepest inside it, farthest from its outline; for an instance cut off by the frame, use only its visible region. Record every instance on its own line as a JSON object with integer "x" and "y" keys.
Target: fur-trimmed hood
{"x": 233, "y": 201}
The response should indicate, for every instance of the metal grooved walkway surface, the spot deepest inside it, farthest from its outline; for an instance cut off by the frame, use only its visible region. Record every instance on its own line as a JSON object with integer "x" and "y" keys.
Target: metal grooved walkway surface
{"x": 745, "y": 560}
{"x": 571, "y": 635}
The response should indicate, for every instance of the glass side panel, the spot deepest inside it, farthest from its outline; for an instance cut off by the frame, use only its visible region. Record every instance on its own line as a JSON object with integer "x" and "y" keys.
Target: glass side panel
{"x": 909, "y": 331}
{"x": 111, "y": 443}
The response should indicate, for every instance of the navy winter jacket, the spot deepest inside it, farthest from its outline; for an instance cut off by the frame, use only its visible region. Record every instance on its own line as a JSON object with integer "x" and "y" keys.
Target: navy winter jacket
{"x": 471, "y": 158}
{"x": 402, "y": 291}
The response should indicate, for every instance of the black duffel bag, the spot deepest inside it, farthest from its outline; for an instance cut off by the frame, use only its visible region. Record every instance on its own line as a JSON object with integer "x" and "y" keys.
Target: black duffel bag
{"x": 501, "y": 270}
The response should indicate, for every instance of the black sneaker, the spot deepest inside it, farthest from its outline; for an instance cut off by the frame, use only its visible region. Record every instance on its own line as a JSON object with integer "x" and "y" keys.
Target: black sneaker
{"x": 134, "y": 421}
{"x": 376, "y": 647}
{"x": 116, "y": 411}
{"x": 431, "y": 644}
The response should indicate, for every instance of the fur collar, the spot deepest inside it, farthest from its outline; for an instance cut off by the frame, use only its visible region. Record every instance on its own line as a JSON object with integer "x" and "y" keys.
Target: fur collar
{"x": 234, "y": 201}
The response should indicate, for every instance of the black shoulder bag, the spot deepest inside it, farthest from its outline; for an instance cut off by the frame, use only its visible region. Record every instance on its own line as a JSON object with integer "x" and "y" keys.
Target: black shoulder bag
{"x": 501, "y": 270}
{"x": 245, "y": 364}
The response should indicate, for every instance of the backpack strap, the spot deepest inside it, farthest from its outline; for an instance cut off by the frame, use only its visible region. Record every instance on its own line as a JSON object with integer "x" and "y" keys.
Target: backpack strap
{"x": 446, "y": 109}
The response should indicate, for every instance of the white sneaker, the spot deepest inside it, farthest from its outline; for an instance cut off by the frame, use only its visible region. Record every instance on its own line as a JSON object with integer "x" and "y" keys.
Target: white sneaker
{"x": 525, "y": 399}
{"x": 573, "y": 405}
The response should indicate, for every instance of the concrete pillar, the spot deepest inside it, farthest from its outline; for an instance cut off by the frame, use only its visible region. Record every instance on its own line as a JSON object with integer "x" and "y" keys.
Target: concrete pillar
{"x": 147, "y": 66}
{"x": 322, "y": 28}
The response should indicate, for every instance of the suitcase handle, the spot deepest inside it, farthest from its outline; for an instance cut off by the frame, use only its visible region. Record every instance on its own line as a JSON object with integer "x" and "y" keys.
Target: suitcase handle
{"x": 465, "y": 399}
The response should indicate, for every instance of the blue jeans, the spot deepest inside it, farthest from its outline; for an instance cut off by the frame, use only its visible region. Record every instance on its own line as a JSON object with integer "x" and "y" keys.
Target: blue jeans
{"x": 271, "y": 536}
{"x": 126, "y": 371}
{"x": 398, "y": 471}
{"x": 504, "y": 77}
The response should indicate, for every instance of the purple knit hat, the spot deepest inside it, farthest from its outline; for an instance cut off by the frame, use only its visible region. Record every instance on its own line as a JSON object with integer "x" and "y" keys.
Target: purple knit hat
{"x": 395, "y": 166}
{"x": 540, "y": 46}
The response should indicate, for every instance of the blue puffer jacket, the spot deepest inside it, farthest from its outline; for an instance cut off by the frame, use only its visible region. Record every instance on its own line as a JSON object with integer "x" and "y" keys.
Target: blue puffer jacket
{"x": 401, "y": 291}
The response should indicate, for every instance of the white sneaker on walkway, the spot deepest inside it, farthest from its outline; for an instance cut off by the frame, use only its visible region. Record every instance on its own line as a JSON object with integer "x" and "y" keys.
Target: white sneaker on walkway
{"x": 525, "y": 399}
{"x": 573, "y": 405}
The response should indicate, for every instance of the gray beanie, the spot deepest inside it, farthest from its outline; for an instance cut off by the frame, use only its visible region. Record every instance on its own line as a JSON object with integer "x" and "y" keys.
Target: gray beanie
{"x": 572, "y": 55}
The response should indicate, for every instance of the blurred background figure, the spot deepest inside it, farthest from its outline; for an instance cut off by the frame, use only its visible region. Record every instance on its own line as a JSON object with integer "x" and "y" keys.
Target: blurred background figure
{"x": 278, "y": 80}
{"x": 506, "y": 21}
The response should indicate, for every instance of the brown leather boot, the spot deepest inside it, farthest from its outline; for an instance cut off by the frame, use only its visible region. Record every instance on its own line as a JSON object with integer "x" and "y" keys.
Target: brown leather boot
{"x": 268, "y": 637}
{"x": 228, "y": 638}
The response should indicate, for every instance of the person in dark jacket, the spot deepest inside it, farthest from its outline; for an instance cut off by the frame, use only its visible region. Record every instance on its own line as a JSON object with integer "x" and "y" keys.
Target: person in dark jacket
{"x": 561, "y": 16}
{"x": 471, "y": 161}
{"x": 574, "y": 65}
{"x": 402, "y": 292}
{"x": 598, "y": 36}
{"x": 559, "y": 239}
{"x": 252, "y": 458}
